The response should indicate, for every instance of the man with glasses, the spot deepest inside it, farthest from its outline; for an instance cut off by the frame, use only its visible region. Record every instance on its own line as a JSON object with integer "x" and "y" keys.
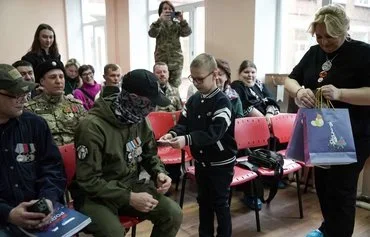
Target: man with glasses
{"x": 61, "y": 112}
{"x": 31, "y": 166}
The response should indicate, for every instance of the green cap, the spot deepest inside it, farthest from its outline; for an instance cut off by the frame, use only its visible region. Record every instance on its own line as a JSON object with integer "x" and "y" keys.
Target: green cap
{"x": 12, "y": 81}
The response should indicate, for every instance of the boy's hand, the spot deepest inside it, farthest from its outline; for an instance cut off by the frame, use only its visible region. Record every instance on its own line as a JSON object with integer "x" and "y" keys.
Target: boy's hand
{"x": 177, "y": 142}
{"x": 166, "y": 137}
{"x": 163, "y": 183}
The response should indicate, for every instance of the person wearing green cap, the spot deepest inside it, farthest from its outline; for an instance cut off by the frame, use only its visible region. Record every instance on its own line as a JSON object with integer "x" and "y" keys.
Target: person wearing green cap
{"x": 113, "y": 143}
{"x": 31, "y": 165}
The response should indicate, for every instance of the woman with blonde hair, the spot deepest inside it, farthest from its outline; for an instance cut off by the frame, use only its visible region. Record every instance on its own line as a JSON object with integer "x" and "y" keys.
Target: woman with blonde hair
{"x": 340, "y": 66}
{"x": 72, "y": 78}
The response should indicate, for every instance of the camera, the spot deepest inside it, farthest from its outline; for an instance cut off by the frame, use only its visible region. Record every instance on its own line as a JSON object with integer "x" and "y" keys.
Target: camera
{"x": 175, "y": 14}
{"x": 41, "y": 206}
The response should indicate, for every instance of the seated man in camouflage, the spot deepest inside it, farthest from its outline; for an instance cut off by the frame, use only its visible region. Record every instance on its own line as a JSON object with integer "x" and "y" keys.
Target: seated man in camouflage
{"x": 113, "y": 142}
{"x": 61, "y": 112}
{"x": 160, "y": 69}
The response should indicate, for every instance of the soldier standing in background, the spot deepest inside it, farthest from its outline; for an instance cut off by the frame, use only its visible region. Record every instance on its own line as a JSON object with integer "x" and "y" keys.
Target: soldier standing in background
{"x": 61, "y": 112}
{"x": 167, "y": 31}
{"x": 160, "y": 70}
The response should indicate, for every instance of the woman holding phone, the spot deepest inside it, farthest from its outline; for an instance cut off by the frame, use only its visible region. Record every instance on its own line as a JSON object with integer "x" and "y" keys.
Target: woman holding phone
{"x": 167, "y": 30}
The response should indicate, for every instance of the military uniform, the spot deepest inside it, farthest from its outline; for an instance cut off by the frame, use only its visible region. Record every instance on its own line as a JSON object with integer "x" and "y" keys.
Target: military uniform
{"x": 172, "y": 93}
{"x": 62, "y": 114}
{"x": 168, "y": 46}
{"x": 110, "y": 155}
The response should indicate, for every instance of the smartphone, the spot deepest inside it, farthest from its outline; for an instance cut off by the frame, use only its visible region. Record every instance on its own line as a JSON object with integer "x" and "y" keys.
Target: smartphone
{"x": 175, "y": 14}
{"x": 41, "y": 206}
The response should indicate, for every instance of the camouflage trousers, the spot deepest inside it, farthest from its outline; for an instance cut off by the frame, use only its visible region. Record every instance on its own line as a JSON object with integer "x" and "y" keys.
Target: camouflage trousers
{"x": 166, "y": 217}
{"x": 175, "y": 76}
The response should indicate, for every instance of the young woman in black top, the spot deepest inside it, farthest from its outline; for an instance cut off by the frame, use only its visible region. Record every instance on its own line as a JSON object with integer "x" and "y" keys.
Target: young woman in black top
{"x": 44, "y": 46}
{"x": 340, "y": 66}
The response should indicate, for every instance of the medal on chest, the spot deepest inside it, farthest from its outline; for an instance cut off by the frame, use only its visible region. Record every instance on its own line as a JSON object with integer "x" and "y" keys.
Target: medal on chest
{"x": 134, "y": 150}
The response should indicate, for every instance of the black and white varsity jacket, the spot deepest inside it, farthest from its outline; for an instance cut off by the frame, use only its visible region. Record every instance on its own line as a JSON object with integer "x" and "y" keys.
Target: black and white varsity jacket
{"x": 208, "y": 125}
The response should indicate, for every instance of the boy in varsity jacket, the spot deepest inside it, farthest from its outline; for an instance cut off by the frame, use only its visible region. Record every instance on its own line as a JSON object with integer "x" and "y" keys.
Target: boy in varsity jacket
{"x": 207, "y": 126}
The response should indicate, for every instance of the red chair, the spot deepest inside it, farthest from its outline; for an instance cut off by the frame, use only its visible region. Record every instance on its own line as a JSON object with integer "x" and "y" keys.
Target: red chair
{"x": 252, "y": 132}
{"x": 241, "y": 176}
{"x": 161, "y": 123}
{"x": 282, "y": 128}
{"x": 68, "y": 153}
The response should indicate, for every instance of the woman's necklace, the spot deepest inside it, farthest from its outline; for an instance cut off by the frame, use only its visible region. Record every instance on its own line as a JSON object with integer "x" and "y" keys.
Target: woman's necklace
{"x": 326, "y": 66}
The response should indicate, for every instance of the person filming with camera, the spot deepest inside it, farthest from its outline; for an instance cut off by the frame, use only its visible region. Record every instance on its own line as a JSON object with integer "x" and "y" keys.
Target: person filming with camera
{"x": 167, "y": 30}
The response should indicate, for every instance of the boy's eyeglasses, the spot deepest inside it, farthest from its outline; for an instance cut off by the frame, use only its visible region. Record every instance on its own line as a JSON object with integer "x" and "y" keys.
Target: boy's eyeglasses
{"x": 19, "y": 98}
{"x": 198, "y": 80}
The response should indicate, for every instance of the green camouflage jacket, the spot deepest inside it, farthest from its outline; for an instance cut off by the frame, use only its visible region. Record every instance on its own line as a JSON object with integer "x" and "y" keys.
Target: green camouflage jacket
{"x": 62, "y": 113}
{"x": 110, "y": 155}
{"x": 172, "y": 93}
{"x": 168, "y": 47}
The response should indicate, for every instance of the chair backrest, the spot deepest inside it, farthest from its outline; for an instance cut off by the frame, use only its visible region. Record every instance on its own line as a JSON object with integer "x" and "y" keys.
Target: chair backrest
{"x": 251, "y": 132}
{"x": 177, "y": 115}
{"x": 282, "y": 126}
{"x": 68, "y": 153}
{"x": 161, "y": 122}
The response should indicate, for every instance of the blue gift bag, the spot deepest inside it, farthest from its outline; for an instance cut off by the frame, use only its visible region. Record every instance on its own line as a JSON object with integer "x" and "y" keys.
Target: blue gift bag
{"x": 322, "y": 137}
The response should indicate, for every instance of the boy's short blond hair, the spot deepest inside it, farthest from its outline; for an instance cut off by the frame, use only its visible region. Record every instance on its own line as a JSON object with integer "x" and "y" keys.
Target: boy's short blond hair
{"x": 204, "y": 61}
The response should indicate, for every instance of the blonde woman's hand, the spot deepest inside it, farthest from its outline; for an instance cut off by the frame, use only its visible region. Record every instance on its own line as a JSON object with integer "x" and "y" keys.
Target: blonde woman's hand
{"x": 330, "y": 92}
{"x": 306, "y": 98}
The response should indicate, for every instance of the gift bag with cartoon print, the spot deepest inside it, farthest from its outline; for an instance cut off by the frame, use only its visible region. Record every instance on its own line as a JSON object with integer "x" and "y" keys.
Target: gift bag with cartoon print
{"x": 325, "y": 136}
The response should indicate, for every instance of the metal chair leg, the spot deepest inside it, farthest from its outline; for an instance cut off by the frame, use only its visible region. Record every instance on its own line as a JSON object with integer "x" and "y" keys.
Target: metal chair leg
{"x": 309, "y": 174}
{"x": 299, "y": 195}
{"x": 256, "y": 210}
{"x": 133, "y": 231}
{"x": 184, "y": 177}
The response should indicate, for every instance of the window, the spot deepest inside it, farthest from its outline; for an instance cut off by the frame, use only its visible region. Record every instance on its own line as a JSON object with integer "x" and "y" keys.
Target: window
{"x": 362, "y": 3}
{"x": 94, "y": 41}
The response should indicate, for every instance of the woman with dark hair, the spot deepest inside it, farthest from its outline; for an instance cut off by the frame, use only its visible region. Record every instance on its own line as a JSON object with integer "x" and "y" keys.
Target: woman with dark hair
{"x": 72, "y": 78}
{"x": 223, "y": 81}
{"x": 44, "y": 46}
{"x": 255, "y": 98}
{"x": 167, "y": 30}
{"x": 87, "y": 92}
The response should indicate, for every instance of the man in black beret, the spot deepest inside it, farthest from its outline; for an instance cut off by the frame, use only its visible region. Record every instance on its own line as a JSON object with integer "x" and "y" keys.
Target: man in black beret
{"x": 61, "y": 112}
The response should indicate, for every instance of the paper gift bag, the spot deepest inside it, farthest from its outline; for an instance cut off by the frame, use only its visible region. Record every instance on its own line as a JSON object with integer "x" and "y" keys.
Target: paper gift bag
{"x": 325, "y": 135}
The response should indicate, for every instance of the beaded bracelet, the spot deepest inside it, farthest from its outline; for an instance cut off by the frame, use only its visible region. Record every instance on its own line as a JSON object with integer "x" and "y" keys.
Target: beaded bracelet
{"x": 296, "y": 94}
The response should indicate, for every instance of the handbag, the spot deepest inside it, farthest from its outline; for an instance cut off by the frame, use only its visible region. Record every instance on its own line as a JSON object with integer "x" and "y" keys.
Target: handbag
{"x": 263, "y": 158}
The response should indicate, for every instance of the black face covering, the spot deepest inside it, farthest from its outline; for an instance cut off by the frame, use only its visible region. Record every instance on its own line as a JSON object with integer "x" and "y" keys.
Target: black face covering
{"x": 130, "y": 108}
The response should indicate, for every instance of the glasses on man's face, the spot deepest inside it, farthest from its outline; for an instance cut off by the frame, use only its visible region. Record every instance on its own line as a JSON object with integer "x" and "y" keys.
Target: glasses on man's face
{"x": 198, "y": 80}
{"x": 18, "y": 98}
{"x": 86, "y": 74}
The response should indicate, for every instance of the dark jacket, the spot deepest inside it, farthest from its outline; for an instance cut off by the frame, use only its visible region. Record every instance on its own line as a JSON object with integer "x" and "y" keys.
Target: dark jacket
{"x": 208, "y": 126}
{"x": 106, "y": 171}
{"x": 256, "y": 96}
{"x": 30, "y": 163}
{"x": 37, "y": 58}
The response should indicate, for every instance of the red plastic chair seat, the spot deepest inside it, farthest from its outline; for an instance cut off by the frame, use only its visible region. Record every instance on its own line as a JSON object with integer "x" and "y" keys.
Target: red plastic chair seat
{"x": 128, "y": 221}
{"x": 240, "y": 175}
{"x": 170, "y": 156}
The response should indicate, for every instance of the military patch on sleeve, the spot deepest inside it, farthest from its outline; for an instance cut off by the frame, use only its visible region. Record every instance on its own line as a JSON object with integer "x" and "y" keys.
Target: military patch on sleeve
{"x": 82, "y": 152}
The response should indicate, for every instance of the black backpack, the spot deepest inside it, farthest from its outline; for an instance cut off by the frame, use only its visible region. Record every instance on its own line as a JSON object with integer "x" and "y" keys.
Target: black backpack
{"x": 267, "y": 159}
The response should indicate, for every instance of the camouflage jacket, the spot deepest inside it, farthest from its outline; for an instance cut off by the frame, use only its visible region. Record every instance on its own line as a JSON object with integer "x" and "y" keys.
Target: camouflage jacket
{"x": 172, "y": 93}
{"x": 168, "y": 46}
{"x": 62, "y": 113}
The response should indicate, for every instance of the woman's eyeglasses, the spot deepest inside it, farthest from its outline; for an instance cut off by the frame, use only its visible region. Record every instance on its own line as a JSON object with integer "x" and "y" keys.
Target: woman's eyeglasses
{"x": 87, "y": 74}
{"x": 198, "y": 80}
{"x": 19, "y": 98}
